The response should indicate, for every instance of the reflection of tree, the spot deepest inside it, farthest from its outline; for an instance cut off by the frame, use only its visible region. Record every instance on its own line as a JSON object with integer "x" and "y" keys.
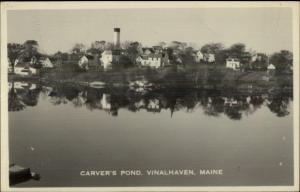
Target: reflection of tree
{"x": 14, "y": 101}
{"x": 233, "y": 103}
{"x": 279, "y": 105}
{"x": 233, "y": 113}
{"x": 31, "y": 97}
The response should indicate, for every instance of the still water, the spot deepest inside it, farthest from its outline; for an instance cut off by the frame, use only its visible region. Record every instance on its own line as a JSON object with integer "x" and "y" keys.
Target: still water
{"x": 60, "y": 130}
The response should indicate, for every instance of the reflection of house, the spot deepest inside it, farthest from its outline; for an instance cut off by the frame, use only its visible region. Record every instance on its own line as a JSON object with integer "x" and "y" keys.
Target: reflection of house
{"x": 233, "y": 63}
{"x": 153, "y": 105}
{"x": 105, "y": 102}
{"x": 271, "y": 69}
{"x": 139, "y": 104}
{"x": 25, "y": 69}
{"x": 24, "y": 85}
{"x": 46, "y": 62}
{"x": 230, "y": 102}
{"x": 10, "y": 69}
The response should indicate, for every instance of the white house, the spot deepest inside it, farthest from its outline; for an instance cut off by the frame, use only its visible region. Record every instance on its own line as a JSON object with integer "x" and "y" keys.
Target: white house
{"x": 233, "y": 63}
{"x": 271, "y": 67}
{"x": 106, "y": 59}
{"x": 209, "y": 57}
{"x": 83, "y": 63}
{"x": 46, "y": 63}
{"x": 199, "y": 56}
{"x": 23, "y": 69}
{"x": 151, "y": 60}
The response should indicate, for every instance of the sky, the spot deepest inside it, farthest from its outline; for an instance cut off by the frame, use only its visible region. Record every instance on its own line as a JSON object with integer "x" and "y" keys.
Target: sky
{"x": 264, "y": 30}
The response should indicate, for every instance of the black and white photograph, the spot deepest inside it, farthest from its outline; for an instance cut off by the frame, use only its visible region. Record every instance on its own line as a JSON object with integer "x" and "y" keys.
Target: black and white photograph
{"x": 140, "y": 96}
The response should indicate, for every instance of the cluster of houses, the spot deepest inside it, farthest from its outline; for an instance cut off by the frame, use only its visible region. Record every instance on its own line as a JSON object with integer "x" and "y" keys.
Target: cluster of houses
{"x": 27, "y": 67}
{"x": 153, "y": 57}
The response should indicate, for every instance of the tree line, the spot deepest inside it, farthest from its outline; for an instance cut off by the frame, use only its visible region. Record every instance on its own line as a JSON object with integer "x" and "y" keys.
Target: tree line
{"x": 178, "y": 53}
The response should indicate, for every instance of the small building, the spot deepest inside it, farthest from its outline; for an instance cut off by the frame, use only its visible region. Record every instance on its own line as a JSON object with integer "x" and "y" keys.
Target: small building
{"x": 24, "y": 69}
{"x": 46, "y": 62}
{"x": 233, "y": 63}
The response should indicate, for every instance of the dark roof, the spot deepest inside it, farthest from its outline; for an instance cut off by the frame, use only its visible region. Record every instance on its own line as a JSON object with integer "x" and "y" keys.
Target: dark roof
{"x": 151, "y": 56}
{"x": 90, "y": 57}
{"x": 157, "y": 47}
{"x": 22, "y": 64}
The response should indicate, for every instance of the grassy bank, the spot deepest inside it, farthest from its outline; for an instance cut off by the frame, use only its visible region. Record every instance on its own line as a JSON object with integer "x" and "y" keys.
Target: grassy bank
{"x": 215, "y": 77}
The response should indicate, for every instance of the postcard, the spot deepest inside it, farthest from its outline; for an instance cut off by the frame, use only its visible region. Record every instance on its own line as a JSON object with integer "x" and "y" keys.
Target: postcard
{"x": 149, "y": 96}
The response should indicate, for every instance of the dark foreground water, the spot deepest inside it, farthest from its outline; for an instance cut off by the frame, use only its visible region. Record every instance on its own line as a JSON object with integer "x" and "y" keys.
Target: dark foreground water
{"x": 59, "y": 131}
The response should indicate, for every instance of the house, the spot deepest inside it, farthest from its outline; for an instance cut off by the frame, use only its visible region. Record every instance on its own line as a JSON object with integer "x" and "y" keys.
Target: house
{"x": 89, "y": 62}
{"x": 150, "y": 60}
{"x": 107, "y": 59}
{"x": 25, "y": 69}
{"x": 233, "y": 63}
{"x": 209, "y": 58}
{"x": 83, "y": 62}
{"x": 46, "y": 62}
{"x": 199, "y": 56}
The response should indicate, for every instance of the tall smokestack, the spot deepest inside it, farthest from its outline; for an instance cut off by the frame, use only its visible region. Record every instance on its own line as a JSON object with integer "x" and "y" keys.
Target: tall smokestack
{"x": 117, "y": 37}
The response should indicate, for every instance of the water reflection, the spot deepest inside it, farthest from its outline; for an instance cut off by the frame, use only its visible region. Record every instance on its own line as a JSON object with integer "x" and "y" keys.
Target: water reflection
{"x": 235, "y": 104}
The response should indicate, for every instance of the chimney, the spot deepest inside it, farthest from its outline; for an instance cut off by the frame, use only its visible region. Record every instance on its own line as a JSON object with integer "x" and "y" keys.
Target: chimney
{"x": 117, "y": 37}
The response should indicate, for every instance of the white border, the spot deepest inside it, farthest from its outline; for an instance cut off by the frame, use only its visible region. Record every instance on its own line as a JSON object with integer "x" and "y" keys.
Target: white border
{"x": 138, "y": 5}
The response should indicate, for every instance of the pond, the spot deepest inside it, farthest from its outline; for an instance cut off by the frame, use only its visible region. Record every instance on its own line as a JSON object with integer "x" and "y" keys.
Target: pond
{"x": 61, "y": 131}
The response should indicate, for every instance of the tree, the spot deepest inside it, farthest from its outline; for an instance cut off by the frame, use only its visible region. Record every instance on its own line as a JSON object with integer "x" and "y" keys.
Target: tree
{"x": 30, "y": 51}
{"x": 133, "y": 51}
{"x": 125, "y": 44}
{"x": 14, "y": 50}
{"x": 261, "y": 63}
{"x": 78, "y": 48}
{"x": 217, "y": 49}
{"x": 282, "y": 60}
{"x": 162, "y": 44}
{"x": 212, "y": 48}
{"x": 237, "y": 49}
{"x": 178, "y": 45}
{"x": 188, "y": 57}
{"x": 98, "y": 45}
{"x": 109, "y": 46}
